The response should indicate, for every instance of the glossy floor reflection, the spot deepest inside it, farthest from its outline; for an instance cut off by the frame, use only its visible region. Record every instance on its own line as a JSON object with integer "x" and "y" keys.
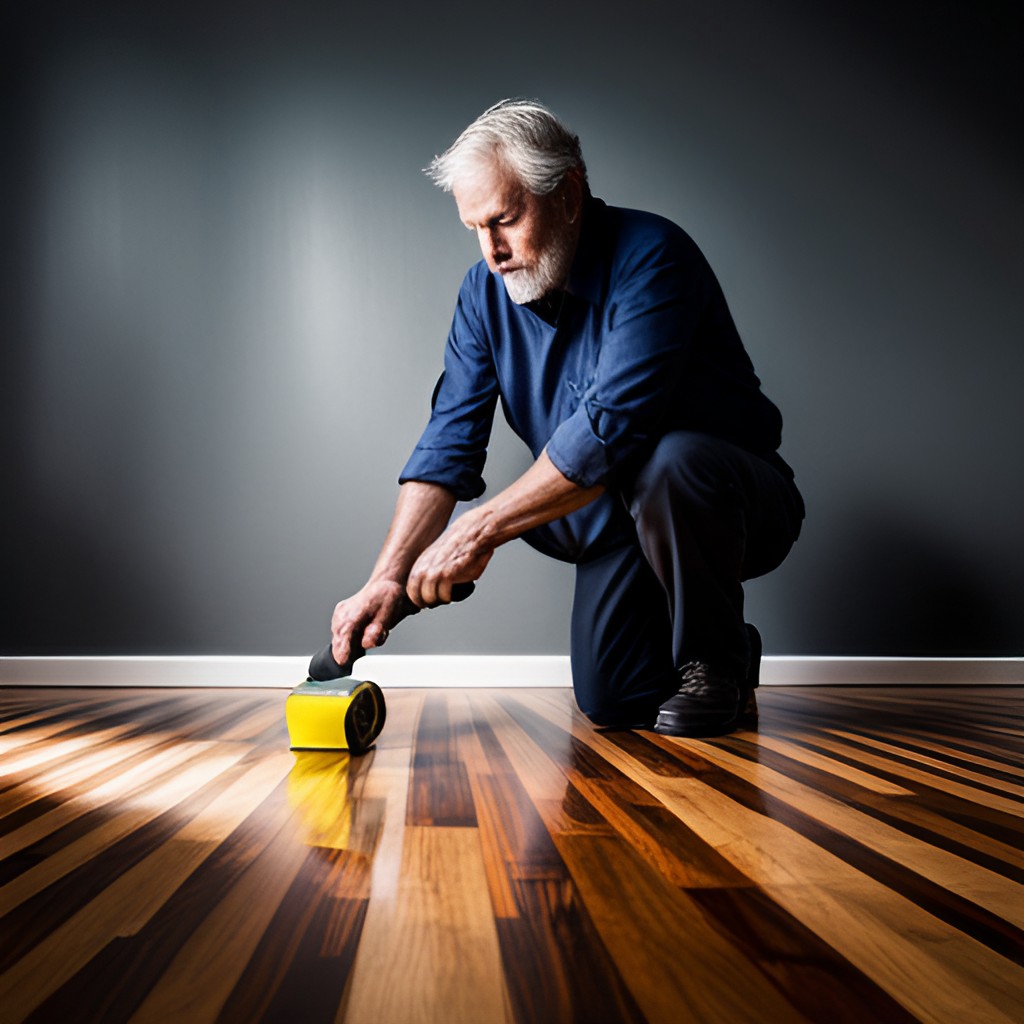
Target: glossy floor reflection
{"x": 164, "y": 856}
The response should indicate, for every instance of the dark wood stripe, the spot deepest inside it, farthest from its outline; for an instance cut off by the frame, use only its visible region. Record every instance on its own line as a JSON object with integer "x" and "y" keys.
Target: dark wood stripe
{"x": 985, "y": 927}
{"x": 556, "y": 966}
{"x": 808, "y": 971}
{"x": 439, "y": 792}
{"x": 896, "y": 813}
{"x": 303, "y": 961}
{"x": 41, "y": 914}
{"x": 121, "y": 974}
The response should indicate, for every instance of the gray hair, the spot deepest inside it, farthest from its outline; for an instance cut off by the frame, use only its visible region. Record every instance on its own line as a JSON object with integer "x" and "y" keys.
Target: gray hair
{"x": 523, "y": 135}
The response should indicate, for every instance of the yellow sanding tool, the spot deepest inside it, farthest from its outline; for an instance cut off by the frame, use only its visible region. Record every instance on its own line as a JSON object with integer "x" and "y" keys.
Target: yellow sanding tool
{"x": 335, "y": 714}
{"x": 332, "y": 711}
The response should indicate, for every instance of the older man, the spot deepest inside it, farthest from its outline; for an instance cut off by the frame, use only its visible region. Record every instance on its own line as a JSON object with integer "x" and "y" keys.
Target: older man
{"x": 606, "y": 337}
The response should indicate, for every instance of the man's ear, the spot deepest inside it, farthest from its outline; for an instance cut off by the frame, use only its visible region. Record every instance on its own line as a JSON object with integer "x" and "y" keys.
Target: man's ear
{"x": 572, "y": 193}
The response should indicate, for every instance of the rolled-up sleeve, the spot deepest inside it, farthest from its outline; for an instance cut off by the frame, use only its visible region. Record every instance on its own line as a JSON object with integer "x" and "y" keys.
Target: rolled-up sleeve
{"x": 648, "y": 340}
{"x": 453, "y": 447}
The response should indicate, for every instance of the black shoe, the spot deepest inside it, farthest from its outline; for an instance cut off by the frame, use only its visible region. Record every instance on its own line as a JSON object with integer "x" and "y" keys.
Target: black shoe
{"x": 708, "y": 703}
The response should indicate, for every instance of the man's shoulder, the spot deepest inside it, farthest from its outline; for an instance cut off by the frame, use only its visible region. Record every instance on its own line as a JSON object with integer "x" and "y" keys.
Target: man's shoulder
{"x": 638, "y": 243}
{"x": 632, "y": 230}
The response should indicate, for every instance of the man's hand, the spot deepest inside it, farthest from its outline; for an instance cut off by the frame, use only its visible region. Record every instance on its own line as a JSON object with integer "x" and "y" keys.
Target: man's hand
{"x": 364, "y": 620}
{"x": 459, "y": 555}
{"x": 462, "y": 552}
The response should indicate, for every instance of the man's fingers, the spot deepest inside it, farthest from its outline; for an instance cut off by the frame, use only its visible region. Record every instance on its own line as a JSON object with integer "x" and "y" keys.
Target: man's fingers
{"x": 375, "y": 635}
{"x": 418, "y": 589}
{"x": 428, "y": 593}
{"x": 434, "y": 592}
{"x": 340, "y": 650}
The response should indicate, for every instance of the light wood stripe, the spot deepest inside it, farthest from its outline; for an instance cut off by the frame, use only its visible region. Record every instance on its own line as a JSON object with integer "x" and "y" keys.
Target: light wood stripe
{"x": 74, "y": 772}
{"x": 970, "y": 794}
{"x": 118, "y": 788}
{"x": 148, "y": 805}
{"x": 984, "y": 888}
{"x": 799, "y": 753}
{"x": 834, "y": 900}
{"x": 459, "y": 966}
{"x": 14, "y": 735}
{"x": 201, "y": 977}
{"x": 953, "y": 753}
{"x": 130, "y": 902}
{"x": 932, "y": 762}
{"x": 43, "y": 753}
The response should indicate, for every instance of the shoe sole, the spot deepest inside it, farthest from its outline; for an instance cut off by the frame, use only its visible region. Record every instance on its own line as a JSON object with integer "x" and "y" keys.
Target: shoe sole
{"x": 701, "y": 725}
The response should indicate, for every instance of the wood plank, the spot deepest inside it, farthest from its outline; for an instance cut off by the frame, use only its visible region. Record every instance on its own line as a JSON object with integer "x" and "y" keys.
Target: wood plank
{"x": 148, "y": 804}
{"x": 856, "y": 858}
{"x": 907, "y": 752}
{"x": 439, "y": 792}
{"x": 884, "y": 935}
{"x": 770, "y": 942}
{"x": 664, "y": 947}
{"x": 41, "y": 751}
{"x": 126, "y": 906}
{"x": 110, "y": 790}
{"x": 961, "y": 753}
{"x": 202, "y": 976}
{"x": 799, "y": 752}
{"x": 94, "y": 764}
{"x": 984, "y": 888}
{"x": 435, "y": 954}
{"x": 556, "y": 965}
{"x": 970, "y": 794}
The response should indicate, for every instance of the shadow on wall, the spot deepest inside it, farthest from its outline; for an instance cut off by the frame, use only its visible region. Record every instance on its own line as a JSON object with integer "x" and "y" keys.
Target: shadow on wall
{"x": 70, "y": 590}
{"x": 891, "y": 588}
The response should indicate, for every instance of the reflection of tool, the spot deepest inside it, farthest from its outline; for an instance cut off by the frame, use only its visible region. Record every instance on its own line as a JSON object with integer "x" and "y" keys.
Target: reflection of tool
{"x": 339, "y": 714}
{"x": 327, "y": 792}
{"x": 318, "y": 788}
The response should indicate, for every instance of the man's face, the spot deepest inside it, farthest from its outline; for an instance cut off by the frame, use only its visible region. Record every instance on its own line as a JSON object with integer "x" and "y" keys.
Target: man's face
{"x": 527, "y": 239}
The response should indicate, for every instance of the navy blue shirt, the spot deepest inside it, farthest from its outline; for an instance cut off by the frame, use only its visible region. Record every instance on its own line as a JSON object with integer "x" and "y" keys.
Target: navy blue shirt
{"x": 641, "y": 343}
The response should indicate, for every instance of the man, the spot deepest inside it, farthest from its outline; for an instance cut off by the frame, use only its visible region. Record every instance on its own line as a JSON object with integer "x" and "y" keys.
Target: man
{"x": 606, "y": 337}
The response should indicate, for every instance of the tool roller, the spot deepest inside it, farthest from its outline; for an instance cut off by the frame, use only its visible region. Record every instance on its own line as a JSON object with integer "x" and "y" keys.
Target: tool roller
{"x": 332, "y": 711}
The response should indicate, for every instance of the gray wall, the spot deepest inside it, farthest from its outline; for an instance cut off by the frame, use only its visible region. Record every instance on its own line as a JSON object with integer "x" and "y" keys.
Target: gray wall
{"x": 226, "y": 287}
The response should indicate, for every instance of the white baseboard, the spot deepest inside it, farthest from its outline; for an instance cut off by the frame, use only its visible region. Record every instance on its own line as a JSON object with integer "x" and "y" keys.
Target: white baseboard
{"x": 463, "y": 670}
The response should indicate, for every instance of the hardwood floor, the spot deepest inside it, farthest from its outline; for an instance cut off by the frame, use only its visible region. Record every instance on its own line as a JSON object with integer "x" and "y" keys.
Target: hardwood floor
{"x": 165, "y": 857}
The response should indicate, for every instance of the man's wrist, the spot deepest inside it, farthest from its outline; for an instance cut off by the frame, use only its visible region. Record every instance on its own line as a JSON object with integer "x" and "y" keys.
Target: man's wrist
{"x": 385, "y": 577}
{"x": 483, "y": 525}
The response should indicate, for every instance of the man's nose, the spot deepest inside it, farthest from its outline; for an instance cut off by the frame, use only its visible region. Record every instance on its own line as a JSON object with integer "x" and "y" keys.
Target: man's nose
{"x": 495, "y": 248}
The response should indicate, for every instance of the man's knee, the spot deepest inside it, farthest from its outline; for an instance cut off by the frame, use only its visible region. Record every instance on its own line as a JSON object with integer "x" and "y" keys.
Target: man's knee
{"x": 605, "y": 713}
{"x": 635, "y": 713}
{"x": 625, "y": 694}
{"x": 685, "y": 467}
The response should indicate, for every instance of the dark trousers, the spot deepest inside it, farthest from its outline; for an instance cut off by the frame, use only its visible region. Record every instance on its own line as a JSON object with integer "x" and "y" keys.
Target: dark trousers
{"x": 659, "y": 577}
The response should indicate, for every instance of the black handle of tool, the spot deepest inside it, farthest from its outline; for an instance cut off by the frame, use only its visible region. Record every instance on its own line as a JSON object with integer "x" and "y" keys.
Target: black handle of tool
{"x": 323, "y": 667}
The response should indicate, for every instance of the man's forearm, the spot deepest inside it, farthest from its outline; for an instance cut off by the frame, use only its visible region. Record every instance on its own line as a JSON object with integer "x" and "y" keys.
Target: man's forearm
{"x": 539, "y": 496}
{"x": 461, "y": 554}
{"x": 421, "y": 514}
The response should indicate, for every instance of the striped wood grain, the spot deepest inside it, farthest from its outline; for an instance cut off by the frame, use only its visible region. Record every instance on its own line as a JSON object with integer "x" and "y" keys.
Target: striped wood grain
{"x": 165, "y": 857}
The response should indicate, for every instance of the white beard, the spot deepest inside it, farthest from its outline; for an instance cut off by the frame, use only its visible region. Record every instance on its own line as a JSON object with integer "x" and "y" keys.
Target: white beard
{"x": 550, "y": 272}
